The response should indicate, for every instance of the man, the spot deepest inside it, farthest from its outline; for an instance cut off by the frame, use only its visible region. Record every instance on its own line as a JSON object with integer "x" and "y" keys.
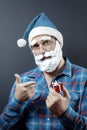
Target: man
{"x": 53, "y": 95}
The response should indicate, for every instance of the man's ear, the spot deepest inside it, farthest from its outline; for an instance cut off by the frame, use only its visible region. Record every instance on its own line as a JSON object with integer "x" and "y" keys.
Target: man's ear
{"x": 61, "y": 46}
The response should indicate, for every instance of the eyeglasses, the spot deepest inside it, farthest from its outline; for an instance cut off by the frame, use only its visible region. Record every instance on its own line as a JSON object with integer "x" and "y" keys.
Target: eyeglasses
{"x": 46, "y": 45}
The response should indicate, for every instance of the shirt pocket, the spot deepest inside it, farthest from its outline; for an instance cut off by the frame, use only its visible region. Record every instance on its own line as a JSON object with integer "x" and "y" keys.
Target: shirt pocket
{"x": 75, "y": 100}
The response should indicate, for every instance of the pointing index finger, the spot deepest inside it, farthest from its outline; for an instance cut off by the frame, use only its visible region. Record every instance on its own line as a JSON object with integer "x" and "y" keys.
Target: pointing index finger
{"x": 27, "y": 84}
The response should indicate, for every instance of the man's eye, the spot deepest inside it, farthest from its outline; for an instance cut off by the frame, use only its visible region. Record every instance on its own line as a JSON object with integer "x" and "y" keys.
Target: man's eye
{"x": 46, "y": 42}
{"x": 36, "y": 46}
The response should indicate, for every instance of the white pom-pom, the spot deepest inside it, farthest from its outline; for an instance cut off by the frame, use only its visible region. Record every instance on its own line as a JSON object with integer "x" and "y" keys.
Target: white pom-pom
{"x": 21, "y": 42}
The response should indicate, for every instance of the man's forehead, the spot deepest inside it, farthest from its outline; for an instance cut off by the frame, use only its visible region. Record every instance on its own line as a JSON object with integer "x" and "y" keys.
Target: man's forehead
{"x": 40, "y": 38}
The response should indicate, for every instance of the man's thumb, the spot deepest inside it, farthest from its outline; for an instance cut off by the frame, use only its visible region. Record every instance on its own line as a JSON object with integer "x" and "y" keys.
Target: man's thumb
{"x": 17, "y": 76}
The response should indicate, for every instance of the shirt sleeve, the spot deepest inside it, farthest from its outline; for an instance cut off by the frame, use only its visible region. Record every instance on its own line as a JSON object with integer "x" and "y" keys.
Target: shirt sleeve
{"x": 12, "y": 113}
{"x": 74, "y": 120}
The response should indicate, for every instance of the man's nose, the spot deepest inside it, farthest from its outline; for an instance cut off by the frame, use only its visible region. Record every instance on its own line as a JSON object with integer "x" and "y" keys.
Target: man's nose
{"x": 41, "y": 50}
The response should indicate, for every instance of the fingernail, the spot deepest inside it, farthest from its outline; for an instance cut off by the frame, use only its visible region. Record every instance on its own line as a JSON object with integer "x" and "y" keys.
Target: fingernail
{"x": 15, "y": 74}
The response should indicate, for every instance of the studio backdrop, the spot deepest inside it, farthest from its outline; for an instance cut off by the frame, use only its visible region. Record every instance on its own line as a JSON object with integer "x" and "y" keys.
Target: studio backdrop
{"x": 68, "y": 15}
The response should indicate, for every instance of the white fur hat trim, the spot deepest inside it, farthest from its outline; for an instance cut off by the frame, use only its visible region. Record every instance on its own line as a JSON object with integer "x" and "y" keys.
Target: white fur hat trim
{"x": 47, "y": 31}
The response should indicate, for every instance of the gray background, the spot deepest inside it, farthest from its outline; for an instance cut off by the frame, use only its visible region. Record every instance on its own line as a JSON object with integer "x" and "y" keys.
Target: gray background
{"x": 70, "y": 16}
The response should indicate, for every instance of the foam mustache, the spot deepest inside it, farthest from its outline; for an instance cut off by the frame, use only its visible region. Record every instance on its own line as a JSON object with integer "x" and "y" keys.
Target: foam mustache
{"x": 45, "y": 55}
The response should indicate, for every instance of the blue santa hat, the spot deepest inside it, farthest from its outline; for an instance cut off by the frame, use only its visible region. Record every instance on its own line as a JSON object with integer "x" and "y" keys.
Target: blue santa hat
{"x": 38, "y": 26}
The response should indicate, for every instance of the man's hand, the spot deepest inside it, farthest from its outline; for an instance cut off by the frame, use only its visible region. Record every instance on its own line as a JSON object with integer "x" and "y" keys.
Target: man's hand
{"x": 56, "y": 102}
{"x": 24, "y": 91}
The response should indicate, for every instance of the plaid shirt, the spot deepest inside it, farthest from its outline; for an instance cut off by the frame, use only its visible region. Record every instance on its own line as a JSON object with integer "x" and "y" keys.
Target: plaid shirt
{"x": 33, "y": 113}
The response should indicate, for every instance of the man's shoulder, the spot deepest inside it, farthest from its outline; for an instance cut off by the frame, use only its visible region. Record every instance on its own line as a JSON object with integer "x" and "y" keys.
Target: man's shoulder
{"x": 75, "y": 68}
{"x": 79, "y": 69}
{"x": 32, "y": 72}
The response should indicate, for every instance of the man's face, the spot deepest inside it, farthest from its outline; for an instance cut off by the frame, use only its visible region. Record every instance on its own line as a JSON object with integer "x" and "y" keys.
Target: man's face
{"x": 42, "y": 44}
{"x": 47, "y": 52}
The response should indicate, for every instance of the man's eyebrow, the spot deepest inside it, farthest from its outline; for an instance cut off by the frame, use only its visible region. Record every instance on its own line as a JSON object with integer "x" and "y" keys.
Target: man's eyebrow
{"x": 45, "y": 38}
{"x": 33, "y": 42}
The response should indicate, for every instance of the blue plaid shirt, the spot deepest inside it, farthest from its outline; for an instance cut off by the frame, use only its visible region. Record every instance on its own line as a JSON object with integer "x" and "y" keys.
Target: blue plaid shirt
{"x": 33, "y": 113}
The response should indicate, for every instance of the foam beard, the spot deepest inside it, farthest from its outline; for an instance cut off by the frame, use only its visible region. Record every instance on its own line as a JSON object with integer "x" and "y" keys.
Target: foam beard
{"x": 50, "y": 64}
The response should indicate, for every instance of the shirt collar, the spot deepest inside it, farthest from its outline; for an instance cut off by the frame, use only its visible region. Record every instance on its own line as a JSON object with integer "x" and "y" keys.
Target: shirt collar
{"x": 67, "y": 68}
